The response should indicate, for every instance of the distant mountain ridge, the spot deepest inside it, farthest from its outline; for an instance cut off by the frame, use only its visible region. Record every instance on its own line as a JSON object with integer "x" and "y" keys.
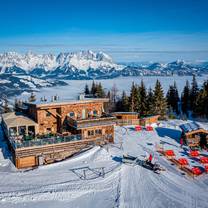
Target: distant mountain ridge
{"x": 88, "y": 65}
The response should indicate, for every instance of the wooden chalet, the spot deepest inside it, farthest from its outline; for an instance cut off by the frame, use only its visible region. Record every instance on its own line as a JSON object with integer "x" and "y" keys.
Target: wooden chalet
{"x": 45, "y": 132}
{"x": 132, "y": 118}
{"x": 126, "y": 118}
{"x": 149, "y": 120}
{"x": 194, "y": 135}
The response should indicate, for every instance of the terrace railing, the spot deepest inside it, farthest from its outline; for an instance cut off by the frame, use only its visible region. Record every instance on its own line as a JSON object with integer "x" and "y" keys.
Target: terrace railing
{"x": 44, "y": 141}
{"x": 91, "y": 121}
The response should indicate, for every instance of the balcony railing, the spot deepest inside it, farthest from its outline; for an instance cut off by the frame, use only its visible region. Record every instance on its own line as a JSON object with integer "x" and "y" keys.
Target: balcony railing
{"x": 45, "y": 141}
{"x": 91, "y": 121}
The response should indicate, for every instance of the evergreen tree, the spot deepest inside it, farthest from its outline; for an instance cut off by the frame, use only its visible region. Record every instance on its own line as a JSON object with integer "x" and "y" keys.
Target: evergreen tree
{"x": 100, "y": 91}
{"x": 134, "y": 99}
{"x": 193, "y": 94}
{"x": 202, "y": 101}
{"x": 87, "y": 91}
{"x": 150, "y": 102}
{"x": 124, "y": 102}
{"x": 111, "y": 106}
{"x": 185, "y": 99}
{"x": 173, "y": 98}
{"x": 160, "y": 105}
{"x": 93, "y": 88}
{"x": 142, "y": 105}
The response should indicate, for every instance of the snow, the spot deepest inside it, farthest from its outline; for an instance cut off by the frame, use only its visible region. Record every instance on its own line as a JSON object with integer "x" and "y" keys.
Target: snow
{"x": 33, "y": 82}
{"x": 81, "y": 60}
{"x": 4, "y": 81}
{"x": 62, "y": 184}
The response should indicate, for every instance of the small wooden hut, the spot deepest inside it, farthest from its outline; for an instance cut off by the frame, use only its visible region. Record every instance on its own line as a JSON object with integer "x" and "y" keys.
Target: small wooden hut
{"x": 194, "y": 135}
{"x": 127, "y": 118}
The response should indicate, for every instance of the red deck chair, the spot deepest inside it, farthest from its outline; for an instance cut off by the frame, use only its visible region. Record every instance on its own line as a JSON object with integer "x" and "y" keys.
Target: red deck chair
{"x": 138, "y": 128}
{"x": 183, "y": 161}
{"x": 169, "y": 153}
{"x": 149, "y": 128}
{"x": 196, "y": 171}
{"x": 206, "y": 168}
{"x": 194, "y": 153}
{"x": 204, "y": 160}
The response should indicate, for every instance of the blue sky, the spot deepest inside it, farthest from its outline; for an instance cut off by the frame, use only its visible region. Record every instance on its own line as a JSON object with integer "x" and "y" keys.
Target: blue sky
{"x": 133, "y": 30}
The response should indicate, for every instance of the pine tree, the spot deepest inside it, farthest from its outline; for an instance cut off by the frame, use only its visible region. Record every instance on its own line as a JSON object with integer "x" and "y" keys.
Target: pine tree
{"x": 134, "y": 99}
{"x": 93, "y": 88}
{"x": 87, "y": 91}
{"x": 124, "y": 102}
{"x": 142, "y": 105}
{"x": 150, "y": 102}
{"x": 173, "y": 98}
{"x": 160, "y": 105}
{"x": 100, "y": 91}
{"x": 193, "y": 94}
{"x": 185, "y": 99}
{"x": 111, "y": 106}
{"x": 202, "y": 101}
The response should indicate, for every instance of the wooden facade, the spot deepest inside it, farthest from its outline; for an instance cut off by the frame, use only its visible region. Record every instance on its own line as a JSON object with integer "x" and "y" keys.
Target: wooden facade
{"x": 132, "y": 118}
{"x": 194, "y": 135}
{"x": 51, "y": 117}
{"x": 126, "y": 118}
{"x": 74, "y": 126}
{"x": 149, "y": 120}
{"x": 28, "y": 157}
{"x": 194, "y": 138}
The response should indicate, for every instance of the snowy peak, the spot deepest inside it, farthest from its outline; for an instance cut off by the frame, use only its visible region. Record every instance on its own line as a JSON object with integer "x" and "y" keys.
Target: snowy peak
{"x": 27, "y": 61}
{"x": 83, "y": 60}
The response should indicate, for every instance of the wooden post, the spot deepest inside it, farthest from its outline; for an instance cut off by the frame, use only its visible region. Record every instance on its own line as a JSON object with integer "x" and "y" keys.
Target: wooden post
{"x": 84, "y": 174}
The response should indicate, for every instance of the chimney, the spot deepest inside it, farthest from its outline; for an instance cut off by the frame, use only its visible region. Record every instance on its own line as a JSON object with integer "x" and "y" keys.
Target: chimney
{"x": 81, "y": 96}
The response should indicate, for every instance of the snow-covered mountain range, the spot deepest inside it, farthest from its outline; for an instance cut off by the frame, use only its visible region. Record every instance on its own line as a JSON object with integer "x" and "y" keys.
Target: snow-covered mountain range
{"x": 87, "y": 65}
{"x": 12, "y": 62}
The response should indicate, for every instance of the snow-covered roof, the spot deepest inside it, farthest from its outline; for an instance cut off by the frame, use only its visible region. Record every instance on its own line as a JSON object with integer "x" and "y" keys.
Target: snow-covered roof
{"x": 188, "y": 127}
{"x": 40, "y": 103}
{"x": 13, "y": 119}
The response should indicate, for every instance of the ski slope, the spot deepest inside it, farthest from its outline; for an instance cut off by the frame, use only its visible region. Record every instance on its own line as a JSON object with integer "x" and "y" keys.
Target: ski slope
{"x": 97, "y": 178}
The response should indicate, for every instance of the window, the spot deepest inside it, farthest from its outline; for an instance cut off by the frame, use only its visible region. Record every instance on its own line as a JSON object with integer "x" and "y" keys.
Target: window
{"x": 22, "y": 130}
{"x": 12, "y": 131}
{"x": 71, "y": 114}
{"x": 90, "y": 133}
{"x": 48, "y": 114}
{"x": 98, "y": 132}
{"x": 48, "y": 129}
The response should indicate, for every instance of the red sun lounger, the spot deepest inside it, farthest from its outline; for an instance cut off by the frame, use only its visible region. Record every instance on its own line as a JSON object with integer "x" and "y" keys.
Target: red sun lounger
{"x": 194, "y": 153}
{"x": 204, "y": 160}
{"x": 183, "y": 161}
{"x": 169, "y": 153}
{"x": 149, "y": 128}
{"x": 196, "y": 171}
{"x": 206, "y": 168}
{"x": 138, "y": 128}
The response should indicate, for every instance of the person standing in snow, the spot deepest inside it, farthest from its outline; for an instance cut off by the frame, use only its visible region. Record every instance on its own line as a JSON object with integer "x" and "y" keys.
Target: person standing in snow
{"x": 150, "y": 158}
